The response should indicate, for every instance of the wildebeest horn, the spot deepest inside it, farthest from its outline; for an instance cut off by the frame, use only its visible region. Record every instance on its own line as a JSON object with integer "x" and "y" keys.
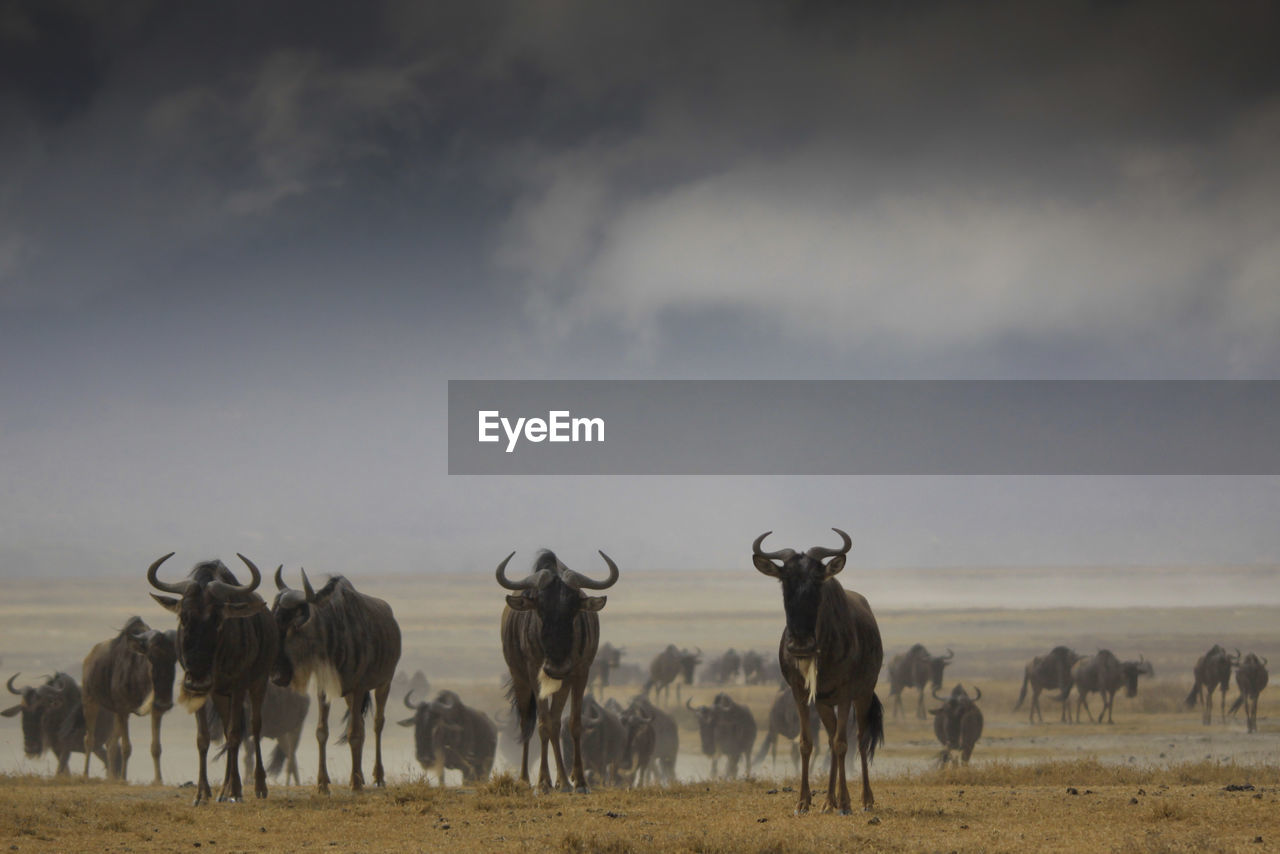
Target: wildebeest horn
{"x": 306, "y": 586}
{"x": 180, "y": 587}
{"x": 688, "y": 704}
{"x": 1237, "y": 655}
{"x": 9, "y": 684}
{"x": 582, "y": 582}
{"x": 280, "y": 585}
{"x": 934, "y": 692}
{"x": 818, "y": 552}
{"x": 407, "y": 704}
{"x": 950, "y": 655}
{"x": 978, "y": 692}
{"x": 529, "y": 581}
{"x": 783, "y": 555}
{"x": 222, "y": 589}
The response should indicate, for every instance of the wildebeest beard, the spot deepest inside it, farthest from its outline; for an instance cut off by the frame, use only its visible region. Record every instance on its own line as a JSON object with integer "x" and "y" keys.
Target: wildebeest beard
{"x": 558, "y": 609}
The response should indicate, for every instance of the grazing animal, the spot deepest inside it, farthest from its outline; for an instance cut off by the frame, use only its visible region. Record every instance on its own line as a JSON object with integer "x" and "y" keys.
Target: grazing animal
{"x": 1213, "y": 673}
{"x": 1251, "y": 678}
{"x": 1105, "y": 674}
{"x": 226, "y": 645}
{"x": 727, "y": 729}
{"x": 604, "y": 741}
{"x": 830, "y": 653}
{"x": 753, "y": 668}
{"x": 916, "y": 668}
{"x": 53, "y": 720}
{"x": 608, "y": 659}
{"x": 350, "y": 643}
{"x": 550, "y": 631}
{"x": 725, "y": 669}
{"x": 283, "y": 713}
{"x": 957, "y": 724}
{"x": 652, "y": 743}
{"x": 450, "y": 734}
{"x": 784, "y": 722}
{"x": 1050, "y": 672}
{"x": 131, "y": 673}
{"x": 671, "y": 665}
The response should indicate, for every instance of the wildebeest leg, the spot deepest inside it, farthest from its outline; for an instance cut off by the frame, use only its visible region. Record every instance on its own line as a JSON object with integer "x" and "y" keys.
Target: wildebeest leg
{"x": 1035, "y": 705}
{"x": 549, "y": 736}
{"x": 574, "y": 696}
{"x": 920, "y": 705}
{"x": 831, "y": 721}
{"x": 289, "y": 744}
{"x": 126, "y": 746}
{"x": 257, "y": 696}
{"x": 897, "y": 706}
{"x": 322, "y": 736}
{"x": 90, "y": 731}
{"x": 866, "y": 736}
{"x": 355, "y": 738}
{"x": 1223, "y": 697}
{"x": 1110, "y": 699}
{"x": 231, "y": 708}
{"x": 806, "y": 748}
{"x": 203, "y": 792}
{"x": 156, "y": 718}
{"x": 379, "y": 718}
{"x": 1083, "y": 700}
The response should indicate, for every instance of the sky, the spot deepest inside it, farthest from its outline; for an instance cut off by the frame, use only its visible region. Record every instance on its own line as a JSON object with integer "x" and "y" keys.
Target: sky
{"x": 242, "y": 251}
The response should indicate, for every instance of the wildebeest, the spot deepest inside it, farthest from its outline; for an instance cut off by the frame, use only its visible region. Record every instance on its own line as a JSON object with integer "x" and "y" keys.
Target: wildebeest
{"x": 671, "y": 665}
{"x": 725, "y": 669}
{"x": 957, "y": 724}
{"x": 1050, "y": 672}
{"x": 350, "y": 642}
{"x": 131, "y": 673}
{"x": 916, "y": 668}
{"x": 1105, "y": 674}
{"x": 604, "y": 741}
{"x": 1251, "y": 678}
{"x": 652, "y": 743}
{"x": 727, "y": 729}
{"x": 226, "y": 645}
{"x": 450, "y": 734}
{"x": 283, "y": 713}
{"x": 53, "y": 720}
{"x": 784, "y": 722}
{"x": 550, "y": 631}
{"x": 753, "y": 668}
{"x": 1212, "y": 672}
{"x": 608, "y": 658}
{"x": 830, "y": 652}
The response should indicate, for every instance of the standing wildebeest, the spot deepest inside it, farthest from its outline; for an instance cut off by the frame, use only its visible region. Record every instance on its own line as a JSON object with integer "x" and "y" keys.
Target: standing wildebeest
{"x": 784, "y": 722}
{"x": 727, "y": 729}
{"x": 725, "y": 669}
{"x": 957, "y": 724}
{"x": 604, "y": 742}
{"x": 668, "y": 666}
{"x": 450, "y": 734}
{"x": 283, "y": 713}
{"x": 916, "y": 668}
{"x": 830, "y": 652}
{"x": 226, "y": 645}
{"x": 1251, "y": 678}
{"x": 753, "y": 667}
{"x": 1106, "y": 674}
{"x": 608, "y": 658}
{"x": 1213, "y": 672}
{"x": 550, "y": 631}
{"x": 124, "y": 676}
{"x": 652, "y": 742}
{"x": 350, "y": 643}
{"x": 53, "y": 720}
{"x": 1050, "y": 672}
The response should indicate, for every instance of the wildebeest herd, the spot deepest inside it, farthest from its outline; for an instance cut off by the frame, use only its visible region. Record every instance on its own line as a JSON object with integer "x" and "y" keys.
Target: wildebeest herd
{"x": 247, "y": 666}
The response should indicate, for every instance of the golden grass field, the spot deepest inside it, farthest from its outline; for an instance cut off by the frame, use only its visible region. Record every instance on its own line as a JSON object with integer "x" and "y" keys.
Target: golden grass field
{"x": 1012, "y": 798}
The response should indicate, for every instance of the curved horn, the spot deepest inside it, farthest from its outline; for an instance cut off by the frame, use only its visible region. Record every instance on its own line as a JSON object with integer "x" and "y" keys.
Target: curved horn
{"x": 582, "y": 582}
{"x": 978, "y": 693}
{"x": 407, "y": 704}
{"x": 688, "y": 704}
{"x": 934, "y": 692}
{"x": 783, "y": 555}
{"x": 525, "y": 583}
{"x": 1237, "y": 655}
{"x": 180, "y": 587}
{"x": 306, "y": 586}
{"x": 280, "y": 585}
{"x": 950, "y": 655}
{"x": 9, "y": 684}
{"x": 820, "y": 552}
{"x": 447, "y": 700}
{"x": 255, "y": 578}
{"x": 1264, "y": 662}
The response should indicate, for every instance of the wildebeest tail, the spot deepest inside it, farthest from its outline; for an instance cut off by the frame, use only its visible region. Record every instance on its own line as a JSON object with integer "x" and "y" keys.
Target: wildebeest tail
{"x": 1235, "y": 707}
{"x": 768, "y": 742}
{"x": 528, "y": 715}
{"x": 1026, "y": 677}
{"x": 366, "y": 703}
{"x": 1194, "y": 696}
{"x": 872, "y": 735}
{"x": 278, "y": 757}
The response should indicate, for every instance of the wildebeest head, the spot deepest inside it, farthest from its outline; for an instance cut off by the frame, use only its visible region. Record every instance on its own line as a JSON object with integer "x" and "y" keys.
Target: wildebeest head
{"x": 688, "y": 661}
{"x": 1132, "y": 670}
{"x": 435, "y": 724}
{"x": 556, "y": 594}
{"x": 706, "y": 716}
{"x": 161, "y": 651}
{"x": 802, "y": 577}
{"x": 209, "y": 595}
{"x": 37, "y": 704}
{"x": 937, "y": 664}
{"x": 293, "y": 611}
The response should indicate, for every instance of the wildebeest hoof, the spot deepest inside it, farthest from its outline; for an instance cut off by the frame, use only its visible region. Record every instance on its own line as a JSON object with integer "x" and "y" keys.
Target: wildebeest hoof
{"x": 802, "y": 809}
{"x": 845, "y": 811}
{"x": 582, "y": 790}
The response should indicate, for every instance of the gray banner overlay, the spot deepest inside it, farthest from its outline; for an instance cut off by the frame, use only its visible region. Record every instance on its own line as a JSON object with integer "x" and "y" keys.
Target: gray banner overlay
{"x": 714, "y": 427}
